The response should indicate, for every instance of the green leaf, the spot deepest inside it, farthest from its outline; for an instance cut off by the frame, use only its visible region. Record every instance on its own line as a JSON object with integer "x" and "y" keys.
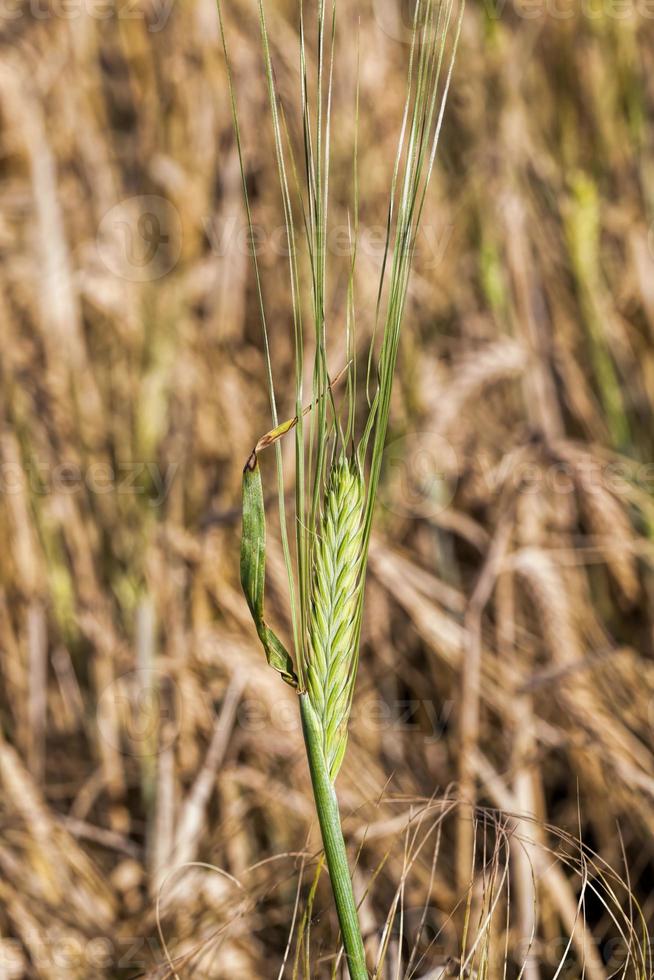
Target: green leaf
{"x": 253, "y": 568}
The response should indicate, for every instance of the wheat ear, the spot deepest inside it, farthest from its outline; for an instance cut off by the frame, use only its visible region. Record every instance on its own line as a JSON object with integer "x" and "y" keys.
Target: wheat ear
{"x": 332, "y": 658}
{"x": 337, "y": 571}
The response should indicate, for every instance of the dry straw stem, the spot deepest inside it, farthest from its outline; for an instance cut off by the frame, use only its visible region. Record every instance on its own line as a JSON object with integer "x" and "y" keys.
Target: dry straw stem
{"x": 469, "y": 716}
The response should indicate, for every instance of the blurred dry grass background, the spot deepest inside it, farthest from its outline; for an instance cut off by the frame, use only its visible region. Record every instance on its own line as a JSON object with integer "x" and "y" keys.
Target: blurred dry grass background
{"x": 508, "y": 643}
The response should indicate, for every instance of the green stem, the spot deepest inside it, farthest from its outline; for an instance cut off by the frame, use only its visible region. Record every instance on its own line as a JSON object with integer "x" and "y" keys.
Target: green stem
{"x": 332, "y": 838}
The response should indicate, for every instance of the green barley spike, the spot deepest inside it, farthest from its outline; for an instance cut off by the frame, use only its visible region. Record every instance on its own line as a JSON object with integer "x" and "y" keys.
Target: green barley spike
{"x": 332, "y": 623}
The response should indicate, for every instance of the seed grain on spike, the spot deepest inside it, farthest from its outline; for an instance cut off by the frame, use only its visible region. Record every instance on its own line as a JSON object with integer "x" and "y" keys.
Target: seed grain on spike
{"x": 332, "y": 623}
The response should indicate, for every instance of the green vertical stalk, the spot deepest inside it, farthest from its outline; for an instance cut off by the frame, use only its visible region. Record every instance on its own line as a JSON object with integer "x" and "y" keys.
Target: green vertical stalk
{"x": 333, "y": 843}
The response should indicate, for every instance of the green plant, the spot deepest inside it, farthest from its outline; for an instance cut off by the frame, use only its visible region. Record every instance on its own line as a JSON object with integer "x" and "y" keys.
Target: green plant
{"x": 337, "y": 458}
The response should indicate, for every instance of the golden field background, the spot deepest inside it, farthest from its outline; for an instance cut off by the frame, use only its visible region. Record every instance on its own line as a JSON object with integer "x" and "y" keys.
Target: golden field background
{"x": 508, "y": 641}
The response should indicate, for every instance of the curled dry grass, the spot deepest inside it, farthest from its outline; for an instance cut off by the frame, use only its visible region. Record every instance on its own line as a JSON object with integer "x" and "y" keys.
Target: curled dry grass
{"x": 140, "y": 729}
{"x": 404, "y": 856}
